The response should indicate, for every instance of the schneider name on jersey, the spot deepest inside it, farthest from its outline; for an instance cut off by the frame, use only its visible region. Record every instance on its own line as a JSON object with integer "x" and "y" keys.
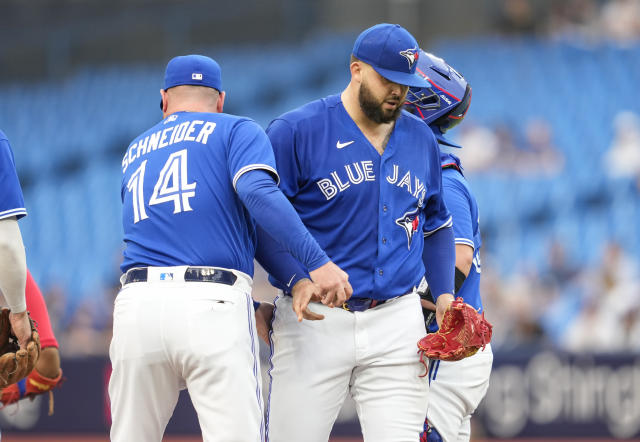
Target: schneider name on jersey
{"x": 183, "y": 166}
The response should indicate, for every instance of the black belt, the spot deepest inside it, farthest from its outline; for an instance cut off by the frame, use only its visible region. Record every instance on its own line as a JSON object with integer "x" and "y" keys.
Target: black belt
{"x": 362, "y": 304}
{"x": 191, "y": 274}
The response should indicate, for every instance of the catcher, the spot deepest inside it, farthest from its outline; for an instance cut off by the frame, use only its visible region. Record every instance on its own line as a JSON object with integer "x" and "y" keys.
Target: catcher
{"x": 47, "y": 373}
{"x": 459, "y": 332}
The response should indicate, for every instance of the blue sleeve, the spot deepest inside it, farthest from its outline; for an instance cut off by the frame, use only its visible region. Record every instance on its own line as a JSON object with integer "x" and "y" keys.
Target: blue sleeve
{"x": 283, "y": 140}
{"x": 11, "y": 199}
{"x": 284, "y": 270}
{"x": 273, "y": 212}
{"x": 436, "y": 213}
{"x": 439, "y": 257}
{"x": 249, "y": 149}
{"x": 457, "y": 200}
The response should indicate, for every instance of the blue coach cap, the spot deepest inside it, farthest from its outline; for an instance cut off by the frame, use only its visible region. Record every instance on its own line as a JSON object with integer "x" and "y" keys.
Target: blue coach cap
{"x": 392, "y": 52}
{"x": 195, "y": 70}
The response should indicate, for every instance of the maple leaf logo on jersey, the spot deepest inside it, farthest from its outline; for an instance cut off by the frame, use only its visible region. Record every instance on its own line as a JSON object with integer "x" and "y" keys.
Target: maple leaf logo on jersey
{"x": 409, "y": 222}
{"x": 411, "y": 55}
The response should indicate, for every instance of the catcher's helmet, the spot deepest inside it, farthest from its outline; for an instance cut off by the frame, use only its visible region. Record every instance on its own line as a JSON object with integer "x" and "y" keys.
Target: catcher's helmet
{"x": 444, "y": 104}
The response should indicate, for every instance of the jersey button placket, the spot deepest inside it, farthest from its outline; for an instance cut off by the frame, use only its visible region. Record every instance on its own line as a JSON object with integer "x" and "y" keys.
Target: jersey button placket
{"x": 381, "y": 223}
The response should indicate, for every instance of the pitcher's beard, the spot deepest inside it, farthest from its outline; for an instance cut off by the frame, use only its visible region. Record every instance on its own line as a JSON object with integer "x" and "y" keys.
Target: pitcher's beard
{"x": 373, "y": 109}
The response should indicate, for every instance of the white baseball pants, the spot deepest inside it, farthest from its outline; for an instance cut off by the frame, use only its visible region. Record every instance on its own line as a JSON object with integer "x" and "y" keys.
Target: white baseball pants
{"x": 455, "y": 390}
{"x": 371, "y": 355}
{"x": 171, "y": 335}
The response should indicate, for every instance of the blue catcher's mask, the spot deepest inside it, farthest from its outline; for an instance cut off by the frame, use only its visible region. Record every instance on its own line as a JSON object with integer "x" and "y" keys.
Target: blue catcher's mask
{"x": 444, "y": 103}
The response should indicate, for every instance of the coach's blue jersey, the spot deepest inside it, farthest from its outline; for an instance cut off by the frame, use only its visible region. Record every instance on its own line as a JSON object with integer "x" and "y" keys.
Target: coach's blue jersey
{"x": 11, "y": 199}
{"x": 178, "y": 192}
{"x": 367, "y": 211}
{"x": 466, "y": 229}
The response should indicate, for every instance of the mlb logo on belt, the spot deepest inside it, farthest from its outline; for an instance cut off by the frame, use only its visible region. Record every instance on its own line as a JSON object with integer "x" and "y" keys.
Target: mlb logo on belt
{"x": 166, "y": 276}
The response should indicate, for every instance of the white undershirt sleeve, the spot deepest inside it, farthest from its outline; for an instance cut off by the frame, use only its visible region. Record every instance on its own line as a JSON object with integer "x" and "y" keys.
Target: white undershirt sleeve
{"x": 13, "y": 265}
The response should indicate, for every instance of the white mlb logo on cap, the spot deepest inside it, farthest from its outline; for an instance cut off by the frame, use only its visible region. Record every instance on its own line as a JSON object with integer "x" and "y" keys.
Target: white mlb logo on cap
{"x": 195, "y": 76}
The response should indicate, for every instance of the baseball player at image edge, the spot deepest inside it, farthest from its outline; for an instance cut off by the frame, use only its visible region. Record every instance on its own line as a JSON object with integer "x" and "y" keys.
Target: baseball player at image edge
{"x": 19, "y": 288}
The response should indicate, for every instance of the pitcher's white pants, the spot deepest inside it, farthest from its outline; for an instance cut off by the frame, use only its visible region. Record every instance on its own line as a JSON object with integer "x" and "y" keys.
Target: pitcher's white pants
{"x": 371, "y": 355}
{"x": 171, "y": 335}
{"x": 455, "y": 390}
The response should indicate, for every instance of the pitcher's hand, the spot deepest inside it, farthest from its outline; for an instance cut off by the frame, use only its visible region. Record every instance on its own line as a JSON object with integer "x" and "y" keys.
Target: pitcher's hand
{"x": 442, "y": 304}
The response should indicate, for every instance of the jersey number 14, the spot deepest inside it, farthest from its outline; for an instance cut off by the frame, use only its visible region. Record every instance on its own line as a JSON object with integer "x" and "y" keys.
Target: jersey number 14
{"x": 172, "y": 186}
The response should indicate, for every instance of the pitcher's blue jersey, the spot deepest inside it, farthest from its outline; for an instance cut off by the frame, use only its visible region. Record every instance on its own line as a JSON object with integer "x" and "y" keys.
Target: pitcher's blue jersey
{"x": 466, "y": 229}
{"x": 178, "y": 192}
{"x": 367, "y": 211}
{"x": 11, "y": 199}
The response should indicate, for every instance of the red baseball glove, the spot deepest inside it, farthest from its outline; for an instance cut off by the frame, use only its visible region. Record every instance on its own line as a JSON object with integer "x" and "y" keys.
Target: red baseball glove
{"x": 462, "y": 333}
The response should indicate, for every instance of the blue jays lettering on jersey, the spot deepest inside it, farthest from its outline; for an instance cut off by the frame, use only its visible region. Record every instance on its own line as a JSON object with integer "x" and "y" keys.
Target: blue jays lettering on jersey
{"x": 11, "y": 199}
{"x": 178, "y": 191}
{"x": 466, "y": 229}
{"x": 331, "y": 173}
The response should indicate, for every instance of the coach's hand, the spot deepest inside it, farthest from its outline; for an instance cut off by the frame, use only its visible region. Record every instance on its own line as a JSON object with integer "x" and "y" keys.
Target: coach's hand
{"x": 264, "y": 314}
{"x": 334, "y": 284}
{"x": 303, "y": 292}
{"x": 442, "y": 304}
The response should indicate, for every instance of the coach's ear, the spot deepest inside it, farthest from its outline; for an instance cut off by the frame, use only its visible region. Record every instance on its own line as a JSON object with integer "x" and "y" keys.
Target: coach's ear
{"x": 220, "y": 103}
{"x": 163, "y": 102}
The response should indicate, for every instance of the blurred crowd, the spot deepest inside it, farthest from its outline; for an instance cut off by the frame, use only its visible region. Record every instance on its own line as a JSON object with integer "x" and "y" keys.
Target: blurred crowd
{"x": 501, "y": 149}
{"x": 623, "y": 158}
{"x": 579, "y": 309}
{"x": 581, "y": 21}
